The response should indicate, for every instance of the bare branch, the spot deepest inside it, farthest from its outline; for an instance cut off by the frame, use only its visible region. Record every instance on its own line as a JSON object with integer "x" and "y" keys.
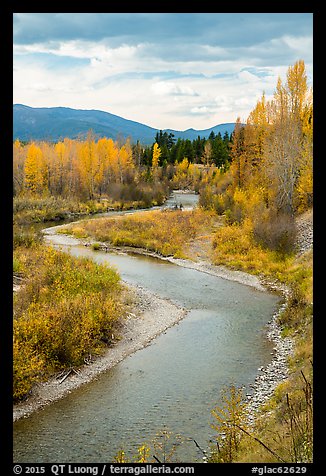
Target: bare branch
{"x": 261, "y": 443}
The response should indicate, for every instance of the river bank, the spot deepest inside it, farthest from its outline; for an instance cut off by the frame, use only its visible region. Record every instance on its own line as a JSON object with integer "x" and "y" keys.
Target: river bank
{"x": 203, "y": 266}
{"x": 149, "y": 316}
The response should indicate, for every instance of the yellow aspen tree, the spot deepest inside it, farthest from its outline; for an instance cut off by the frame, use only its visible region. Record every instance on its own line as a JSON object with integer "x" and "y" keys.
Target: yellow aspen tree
{"x": 35, "y": 170}
{"x": 49, "y": 159}
{"x": 156, "y": 155}
{"x": 280, "y": 104}
{"x": 307, "y": 115}
{"x": 287, "y": 147}
{"x": 297, "y": 88}
{"x": 237, "y": 153}
{"x": 87, "y": 165}
{"x": 258, "y": 120}
{"x": 194, "y": 175}
{"x": 113, "y": 160}
{"x": 71, "y": 179}
{"x": 102, "y": 165}
{"x": 248, "y": 145}
{"x": 304, "y": 186}
{"x": 155, "y": 161}
{"x": 180, "y": 177}
{"x": 60, "y": 150}
{"x": 126, "y": 164}
{"x": 18, "y": 167}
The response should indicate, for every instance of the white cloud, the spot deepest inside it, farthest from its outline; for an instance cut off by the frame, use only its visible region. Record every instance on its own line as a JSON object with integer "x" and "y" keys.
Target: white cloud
{"x": 248, "y": 77}
{"x": 169, "y": 88}
{"x": 209, "y": 82}
{"x": 202, "y": 110}
{"x": 298, "y": 43}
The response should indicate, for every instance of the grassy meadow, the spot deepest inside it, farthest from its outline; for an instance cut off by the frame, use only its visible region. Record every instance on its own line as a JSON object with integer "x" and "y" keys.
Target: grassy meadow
{"x": 165, "y": 232}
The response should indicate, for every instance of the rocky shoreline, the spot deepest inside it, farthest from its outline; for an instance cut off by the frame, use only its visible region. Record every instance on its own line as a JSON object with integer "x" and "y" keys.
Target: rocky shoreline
{"x": 274, "y": 373}
{"x": 270, "y": 376}
{"x": 150, "y": 316}
{"x": 140, "y": 329}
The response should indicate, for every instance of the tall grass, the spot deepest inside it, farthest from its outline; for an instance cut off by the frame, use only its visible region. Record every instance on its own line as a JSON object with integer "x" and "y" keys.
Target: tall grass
{"x": 235, "y": 246}
{"x": 164, "y": 232}
{"x": 286, "y": 423}
{"x": 67, "y": 309}
{"x": 29, "y": 209}
{"x": 38, "y": 208}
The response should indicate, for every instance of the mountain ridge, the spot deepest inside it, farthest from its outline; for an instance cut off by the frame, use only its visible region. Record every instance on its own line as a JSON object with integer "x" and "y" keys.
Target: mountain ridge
{"x": 56, "y": 123}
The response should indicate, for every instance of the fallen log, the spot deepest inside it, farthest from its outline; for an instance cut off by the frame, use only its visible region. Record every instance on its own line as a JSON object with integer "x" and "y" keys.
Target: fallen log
{"x": 65, "y": 376}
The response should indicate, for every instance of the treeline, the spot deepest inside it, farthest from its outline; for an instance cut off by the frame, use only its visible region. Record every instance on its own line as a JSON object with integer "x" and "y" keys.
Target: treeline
{"x": 88, "y": 168}
{"x": 215, "y": 150}
{"x": 120, "y": 175}
{"x": 85, "y": 170}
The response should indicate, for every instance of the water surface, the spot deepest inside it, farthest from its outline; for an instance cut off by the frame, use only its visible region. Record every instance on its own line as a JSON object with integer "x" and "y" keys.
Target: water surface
{"x": 174, "y": 383}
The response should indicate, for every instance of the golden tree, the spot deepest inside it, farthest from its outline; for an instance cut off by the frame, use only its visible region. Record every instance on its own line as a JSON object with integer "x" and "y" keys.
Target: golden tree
{"x": 18, "y": 167}
{"x": 229, "y": 416}
{"x": 87, "y": 165}
{"x": 35, "y": 170}
{"x": 288, "y": 148}
{"x": 238, "y": 153}
{"x": 126, "y": 164}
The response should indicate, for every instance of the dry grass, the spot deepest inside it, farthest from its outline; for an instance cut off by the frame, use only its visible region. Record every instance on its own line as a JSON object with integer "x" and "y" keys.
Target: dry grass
{"x": 234, "y": 246}
{"x": 66, "y": 309}
{"x": 164, "y": 232}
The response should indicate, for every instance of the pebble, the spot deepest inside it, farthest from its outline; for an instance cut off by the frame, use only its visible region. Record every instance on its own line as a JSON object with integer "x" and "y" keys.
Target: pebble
{"x": 277, "y": 371}
{"x": 304, "y": 226}
{"x": 274, "y": 373}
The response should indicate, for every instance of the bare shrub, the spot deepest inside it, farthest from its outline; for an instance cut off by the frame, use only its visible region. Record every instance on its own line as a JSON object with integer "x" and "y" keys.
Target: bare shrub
{"x": 275, "y": 231}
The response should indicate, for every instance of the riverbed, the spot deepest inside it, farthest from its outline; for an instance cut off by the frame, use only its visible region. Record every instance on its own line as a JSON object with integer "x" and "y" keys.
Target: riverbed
{"x": 173, "y": 384}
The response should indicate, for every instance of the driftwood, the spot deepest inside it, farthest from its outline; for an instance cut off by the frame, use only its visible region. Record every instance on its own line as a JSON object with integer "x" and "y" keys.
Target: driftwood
{"x": 203, "y": 451}
{"x": 17, "y": 279}
{"x": 88, "y": 359}
{"x": 67, "y": 375}
{"x": 261, "y": 443}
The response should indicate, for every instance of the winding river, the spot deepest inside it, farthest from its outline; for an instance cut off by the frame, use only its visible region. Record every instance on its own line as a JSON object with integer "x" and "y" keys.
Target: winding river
{"x": 172, "y": 384}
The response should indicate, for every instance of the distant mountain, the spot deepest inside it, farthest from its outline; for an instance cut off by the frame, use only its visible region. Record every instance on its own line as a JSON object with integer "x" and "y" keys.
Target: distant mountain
{"x": 56, "y": 123}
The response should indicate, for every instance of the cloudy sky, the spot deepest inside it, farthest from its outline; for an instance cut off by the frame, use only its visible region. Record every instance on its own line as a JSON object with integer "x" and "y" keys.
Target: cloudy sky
{"x": 166, "y": 70}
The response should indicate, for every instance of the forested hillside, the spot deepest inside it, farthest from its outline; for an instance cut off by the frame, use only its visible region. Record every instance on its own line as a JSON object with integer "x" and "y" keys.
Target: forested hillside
{"x": 55, "y": 123}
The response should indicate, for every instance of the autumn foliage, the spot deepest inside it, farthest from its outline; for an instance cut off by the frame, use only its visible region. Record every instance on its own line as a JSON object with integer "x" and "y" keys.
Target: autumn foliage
{"x": 251, "y": 187}
{"x": 65, "y": 311}
{"x": 99, "y": 173}
{"x": 165, "y": 232}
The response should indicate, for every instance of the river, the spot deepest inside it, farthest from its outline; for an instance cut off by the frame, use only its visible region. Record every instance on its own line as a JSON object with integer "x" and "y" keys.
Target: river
{"x": 172, "y": 384}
